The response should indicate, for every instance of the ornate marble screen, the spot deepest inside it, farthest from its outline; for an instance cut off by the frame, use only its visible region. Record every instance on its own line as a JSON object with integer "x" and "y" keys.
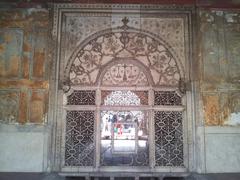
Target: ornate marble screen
{"x": 121, "y": 77}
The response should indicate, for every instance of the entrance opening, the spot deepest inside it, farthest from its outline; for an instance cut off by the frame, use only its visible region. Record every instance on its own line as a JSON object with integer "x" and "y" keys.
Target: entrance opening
{"x": 124, "y": 138}
{"x": 124, "y": 132}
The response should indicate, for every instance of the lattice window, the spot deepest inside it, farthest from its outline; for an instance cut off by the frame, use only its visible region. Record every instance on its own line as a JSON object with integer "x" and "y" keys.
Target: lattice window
{"x": 169, "y": 98}
{"x": 79, "y": 145}
{"x": 81, "y": 98}
{"x": 168, "y": 138}
{"x": 124, "y": 98}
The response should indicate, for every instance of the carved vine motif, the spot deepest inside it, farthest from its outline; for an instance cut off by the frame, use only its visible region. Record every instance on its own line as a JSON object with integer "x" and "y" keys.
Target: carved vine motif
{"x": 124, "y": 45}
{"x": 79, "y": 27}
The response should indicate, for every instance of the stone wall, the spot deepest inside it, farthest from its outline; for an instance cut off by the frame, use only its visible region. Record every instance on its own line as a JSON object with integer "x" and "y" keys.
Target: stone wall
{"x": 23, "y": 65}
{"x": 24, "y": 74}
{"x": 24, "y": 86}
{"x": 219, "y": 44}
{"x": 220, "y": 73}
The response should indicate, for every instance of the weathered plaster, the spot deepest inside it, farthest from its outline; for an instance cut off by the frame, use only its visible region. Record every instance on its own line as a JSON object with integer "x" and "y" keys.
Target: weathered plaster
{"x": 38, "y": 106}
{"x": 219, "y": 35}
{"x": 8, "y": 106}
{"x": 233, "y": 119}
{"x": 24, "y": 84}
{"x": 24, "y": 62}
{"x": 11, "y": 41}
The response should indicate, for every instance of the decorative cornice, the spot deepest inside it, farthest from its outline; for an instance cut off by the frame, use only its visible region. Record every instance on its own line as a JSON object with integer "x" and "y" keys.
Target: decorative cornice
{"x": 123, "y": 6}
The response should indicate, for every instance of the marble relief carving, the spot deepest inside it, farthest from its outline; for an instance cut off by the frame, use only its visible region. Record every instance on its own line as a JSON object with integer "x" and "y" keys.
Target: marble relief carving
{"x": 80, "y": 27}
{"x": 169, "y": 29}
{"x": 111, "y": 46}
{"x": 99, "y": 38}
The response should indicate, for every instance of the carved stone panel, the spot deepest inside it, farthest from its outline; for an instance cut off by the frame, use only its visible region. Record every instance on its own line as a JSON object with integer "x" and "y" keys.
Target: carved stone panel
{"x": 79, "y": 146}
{"x": 92, "y": 40}
{"x": 81, "y": 98}
{"x": 84, "y": 68}
{"x": 171, "y": 30}
{"x": 169, "y": 98}
{"x": 168, "y": 138}
{"x": 78, "y": 27}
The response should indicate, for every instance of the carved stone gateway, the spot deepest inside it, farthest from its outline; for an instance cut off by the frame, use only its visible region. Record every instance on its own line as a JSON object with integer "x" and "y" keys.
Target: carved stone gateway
{"x": 121, "y": 105}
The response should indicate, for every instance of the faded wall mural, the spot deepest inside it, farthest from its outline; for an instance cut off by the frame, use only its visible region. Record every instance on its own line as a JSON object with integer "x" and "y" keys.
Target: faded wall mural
{"x": 24, "y": 68}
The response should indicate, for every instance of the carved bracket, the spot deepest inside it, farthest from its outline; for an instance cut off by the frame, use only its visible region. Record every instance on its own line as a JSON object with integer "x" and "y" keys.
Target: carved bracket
{"x": 65, "y": 85}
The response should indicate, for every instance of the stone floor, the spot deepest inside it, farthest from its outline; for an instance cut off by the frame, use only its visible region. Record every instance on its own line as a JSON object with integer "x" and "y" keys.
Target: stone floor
{"x": 53, "y": 176}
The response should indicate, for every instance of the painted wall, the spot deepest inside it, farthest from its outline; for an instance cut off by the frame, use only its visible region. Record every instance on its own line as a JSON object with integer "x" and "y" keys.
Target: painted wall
{"x": 23, "y": 88}
{"x": 219, "y": 56}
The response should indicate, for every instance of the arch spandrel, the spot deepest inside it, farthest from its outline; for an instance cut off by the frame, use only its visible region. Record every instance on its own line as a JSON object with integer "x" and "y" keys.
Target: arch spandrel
{"x": 87, "y": 62}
